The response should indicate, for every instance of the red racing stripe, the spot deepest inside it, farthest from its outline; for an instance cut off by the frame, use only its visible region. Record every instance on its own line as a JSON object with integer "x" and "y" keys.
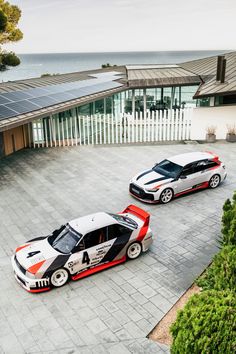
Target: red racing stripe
{"x": 38, "y": 290}
{"x": 34, "y": 268}
{"x": 202, "y": 186}
{"x": 21, "y": 247}
{"x": 98, "y": 268}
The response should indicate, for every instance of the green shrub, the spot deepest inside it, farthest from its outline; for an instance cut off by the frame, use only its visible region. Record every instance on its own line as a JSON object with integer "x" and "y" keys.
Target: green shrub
{"x": 229, "y": 222}
{"x": 206, "y": 325}
{"x": 221, "y": 274}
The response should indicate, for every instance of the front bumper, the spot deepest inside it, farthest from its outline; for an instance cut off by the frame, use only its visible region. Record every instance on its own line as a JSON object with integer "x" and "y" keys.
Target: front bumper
{"x": 29, "y": 284}
{"x": 140, "y": 194}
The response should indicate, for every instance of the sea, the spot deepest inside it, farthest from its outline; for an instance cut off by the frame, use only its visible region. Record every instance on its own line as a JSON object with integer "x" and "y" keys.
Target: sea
{"x": 35, "y": 65}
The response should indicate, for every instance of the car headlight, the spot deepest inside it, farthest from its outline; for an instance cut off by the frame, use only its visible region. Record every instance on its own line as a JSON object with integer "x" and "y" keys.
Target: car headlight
{"x": 155, "y": 189}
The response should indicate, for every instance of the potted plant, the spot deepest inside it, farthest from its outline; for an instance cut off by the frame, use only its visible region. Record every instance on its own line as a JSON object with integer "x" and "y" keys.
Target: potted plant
{"x": 211, "y": 134}
{"x": 231, "y": 134}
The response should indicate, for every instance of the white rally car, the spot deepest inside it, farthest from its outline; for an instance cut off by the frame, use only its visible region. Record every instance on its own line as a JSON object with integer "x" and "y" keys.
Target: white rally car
{"x": 178, "y": 175}
{"x": 83, "y": 246}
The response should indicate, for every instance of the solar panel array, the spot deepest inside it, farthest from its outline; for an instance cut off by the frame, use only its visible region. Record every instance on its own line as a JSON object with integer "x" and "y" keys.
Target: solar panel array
{"x": 19, "y": 102}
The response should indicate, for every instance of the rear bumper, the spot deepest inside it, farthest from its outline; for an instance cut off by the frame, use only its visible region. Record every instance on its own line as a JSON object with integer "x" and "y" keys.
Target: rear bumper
{"x": 31, "y": 285}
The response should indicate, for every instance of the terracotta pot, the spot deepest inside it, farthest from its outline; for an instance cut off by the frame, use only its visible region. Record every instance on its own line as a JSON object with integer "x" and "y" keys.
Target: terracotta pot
{"x": 210, "y": 138}
{"x": 231, "y": 138}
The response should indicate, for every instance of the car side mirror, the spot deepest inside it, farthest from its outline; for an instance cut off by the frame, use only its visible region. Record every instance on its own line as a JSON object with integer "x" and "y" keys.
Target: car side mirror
{"x": 182, "y": 177}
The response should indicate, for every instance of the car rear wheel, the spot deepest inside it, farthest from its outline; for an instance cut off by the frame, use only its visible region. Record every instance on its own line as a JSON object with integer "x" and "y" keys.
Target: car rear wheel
{"x": 59, "y": 277}
{"x": 214, "y": 181}
{"x": 166, "y": 196}
{"x": 134, "y": 250}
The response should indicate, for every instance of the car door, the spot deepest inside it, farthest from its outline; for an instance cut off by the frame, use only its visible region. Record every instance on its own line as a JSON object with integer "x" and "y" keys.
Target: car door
{"x": 201, "y": 172}
{"x": 187, "y": 178}
{"x": 90, "y": 250}
{"x": 119, "y": 235}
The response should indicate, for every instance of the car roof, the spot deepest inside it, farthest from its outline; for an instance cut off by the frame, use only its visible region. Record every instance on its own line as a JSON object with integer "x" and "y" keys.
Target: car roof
{"x": 92, "y": 222}
{"x": 185, "y": 159}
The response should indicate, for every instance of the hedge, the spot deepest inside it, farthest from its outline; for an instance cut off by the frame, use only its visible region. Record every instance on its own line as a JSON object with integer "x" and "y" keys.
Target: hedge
{"x": 206, "y": 325}
{"x": 221, "y": 275}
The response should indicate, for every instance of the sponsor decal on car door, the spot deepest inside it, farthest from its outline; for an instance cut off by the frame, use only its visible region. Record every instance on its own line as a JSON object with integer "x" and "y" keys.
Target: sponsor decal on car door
{"x": 94, "y": 248}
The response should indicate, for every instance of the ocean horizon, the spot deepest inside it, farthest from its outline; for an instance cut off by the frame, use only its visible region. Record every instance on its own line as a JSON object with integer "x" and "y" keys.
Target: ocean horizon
{"x": 37, "y": 64}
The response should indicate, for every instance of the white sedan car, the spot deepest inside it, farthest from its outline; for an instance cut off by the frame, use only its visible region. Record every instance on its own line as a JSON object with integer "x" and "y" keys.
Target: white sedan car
{"x": 178, "y": 175}
{"x": 82, "y": 247}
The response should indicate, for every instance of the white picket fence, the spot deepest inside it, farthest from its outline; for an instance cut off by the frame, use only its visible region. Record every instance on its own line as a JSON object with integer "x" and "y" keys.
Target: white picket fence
{"x": 167, "y": 125}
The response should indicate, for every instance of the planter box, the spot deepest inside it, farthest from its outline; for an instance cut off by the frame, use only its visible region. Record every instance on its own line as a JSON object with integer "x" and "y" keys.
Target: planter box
{"x": 231, "y": 138}
{"x": 210, "y": 138}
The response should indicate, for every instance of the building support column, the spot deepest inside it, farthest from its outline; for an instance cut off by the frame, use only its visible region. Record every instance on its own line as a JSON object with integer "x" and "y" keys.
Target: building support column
{"x": 133, "y": 102}
{"x": 144, "y": 102}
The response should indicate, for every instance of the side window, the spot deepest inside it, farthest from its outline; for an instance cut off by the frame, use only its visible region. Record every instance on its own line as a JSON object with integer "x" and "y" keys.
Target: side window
{"x": 117, "y": 230}
{"x": 187, "y": 170}
{"x": 95, "y": 237}
{"x": 79, "y": 247}
{"x": 201, "y": 166}
{"x": 211, "y": 163}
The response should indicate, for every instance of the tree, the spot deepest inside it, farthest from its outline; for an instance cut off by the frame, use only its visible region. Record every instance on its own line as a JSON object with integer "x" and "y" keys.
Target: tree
{"x": 9, "y": 18}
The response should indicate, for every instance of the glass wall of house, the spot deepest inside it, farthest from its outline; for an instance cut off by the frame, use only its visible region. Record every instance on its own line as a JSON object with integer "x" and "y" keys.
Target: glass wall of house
{"x": 138, "y": 100}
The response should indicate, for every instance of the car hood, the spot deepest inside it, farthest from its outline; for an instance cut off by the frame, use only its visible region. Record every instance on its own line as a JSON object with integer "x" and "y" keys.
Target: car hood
{"x": 149, "y": 179}
{"x": 33, "y": 253}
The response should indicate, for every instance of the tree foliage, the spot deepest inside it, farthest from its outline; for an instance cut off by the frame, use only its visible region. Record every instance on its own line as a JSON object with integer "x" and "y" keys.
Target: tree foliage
{"x": 207, "y": 324}
{"x": 221, "y": 274}
{"x": 229, "y": 222}
{"x": 9, "y": 32}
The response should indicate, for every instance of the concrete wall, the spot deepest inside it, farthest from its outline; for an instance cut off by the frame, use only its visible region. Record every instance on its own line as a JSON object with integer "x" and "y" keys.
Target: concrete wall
{"x": 204, "y": 117}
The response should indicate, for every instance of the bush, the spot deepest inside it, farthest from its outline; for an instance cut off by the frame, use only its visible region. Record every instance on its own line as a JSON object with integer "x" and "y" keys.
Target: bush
{"x": 221, "y": 274}
{"x": 207, "y": 324}
{"x": 229, "y": 222}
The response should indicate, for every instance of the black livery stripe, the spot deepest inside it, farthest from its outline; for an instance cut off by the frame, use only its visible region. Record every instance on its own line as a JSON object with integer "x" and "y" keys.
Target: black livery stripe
{"x": 156, "y": 180}
{"x": 58, "y": 262}
{"x": 143, "y": 174}
{"x": 117, "y": 246}
{"x": 38, "y": 238}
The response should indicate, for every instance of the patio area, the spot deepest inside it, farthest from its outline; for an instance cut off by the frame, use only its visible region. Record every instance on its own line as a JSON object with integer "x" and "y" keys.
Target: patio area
{"x": 112, "y": 311}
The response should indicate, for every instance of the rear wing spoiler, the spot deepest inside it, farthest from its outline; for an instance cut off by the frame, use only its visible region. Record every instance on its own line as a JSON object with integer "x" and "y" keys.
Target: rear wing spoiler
{"x": 140, "y": 213}
{"x": 215, "y": 157}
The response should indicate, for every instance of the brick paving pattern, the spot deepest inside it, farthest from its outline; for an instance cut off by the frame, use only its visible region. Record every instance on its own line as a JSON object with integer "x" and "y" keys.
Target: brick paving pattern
{"x": 112, "y": 311}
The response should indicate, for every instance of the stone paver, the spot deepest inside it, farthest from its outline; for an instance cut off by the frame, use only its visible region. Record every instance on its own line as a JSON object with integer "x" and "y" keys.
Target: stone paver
{"x": 113, "y": 311}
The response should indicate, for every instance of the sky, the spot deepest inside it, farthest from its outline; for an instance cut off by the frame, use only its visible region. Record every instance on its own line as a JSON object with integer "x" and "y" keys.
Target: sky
{"x": 52, "y": 26}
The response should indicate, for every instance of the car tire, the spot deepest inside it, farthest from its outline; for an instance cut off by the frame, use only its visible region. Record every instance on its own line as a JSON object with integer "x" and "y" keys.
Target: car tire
{"x": 214, "y": 181}
{"x": 59, "y": 277}
{"x": 166, "y": 195}
{"x": 134, "y": 250}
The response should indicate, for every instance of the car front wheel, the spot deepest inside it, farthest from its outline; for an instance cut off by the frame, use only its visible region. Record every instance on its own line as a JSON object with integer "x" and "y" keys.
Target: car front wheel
{"x": 166, "y": 196}
{"x": 134, "y": 250}
{"x": 59, "y": 277}
{"x": 214, "y": 181}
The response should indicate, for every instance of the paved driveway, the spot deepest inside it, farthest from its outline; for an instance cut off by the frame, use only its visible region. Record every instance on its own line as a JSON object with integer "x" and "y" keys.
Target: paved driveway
{"x": 113, "y": 311}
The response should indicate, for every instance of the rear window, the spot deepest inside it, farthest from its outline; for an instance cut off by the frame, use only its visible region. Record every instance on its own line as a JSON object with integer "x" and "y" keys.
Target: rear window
{"x": 125, "y": 220}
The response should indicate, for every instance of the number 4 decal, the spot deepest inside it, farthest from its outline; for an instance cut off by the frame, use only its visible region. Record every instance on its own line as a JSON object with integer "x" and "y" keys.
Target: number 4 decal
{"x": 86, "y": 258}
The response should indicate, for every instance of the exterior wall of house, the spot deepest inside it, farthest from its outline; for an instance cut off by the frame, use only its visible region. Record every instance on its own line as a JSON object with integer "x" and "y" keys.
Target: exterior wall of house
{"x": 15, "y": 139}
{"x": 220, "y": 117}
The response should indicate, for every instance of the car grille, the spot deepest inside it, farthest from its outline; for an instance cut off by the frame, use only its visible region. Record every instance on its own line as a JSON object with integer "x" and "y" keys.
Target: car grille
{"x": 139, "y": 192}
{"x": 22, "y": 269}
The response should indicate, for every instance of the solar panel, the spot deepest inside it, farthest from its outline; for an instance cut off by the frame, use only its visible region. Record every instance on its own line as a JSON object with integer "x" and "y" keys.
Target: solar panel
{"x": 43, "y": 101}
{"x": 16, "y": 95}
{"x": 5, "y": 112}
{"x": 4, "y": 100}
{"x": 62, "y": 97}
{"x": 22, "y": 106}
{"x": 18, "y": 102}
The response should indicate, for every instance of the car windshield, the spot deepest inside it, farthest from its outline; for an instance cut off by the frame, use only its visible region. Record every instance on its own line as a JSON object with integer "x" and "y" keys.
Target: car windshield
{"x": 64, "y": 239}
{"x": 168, "y": 168}
{"x": 125, "y": 220}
